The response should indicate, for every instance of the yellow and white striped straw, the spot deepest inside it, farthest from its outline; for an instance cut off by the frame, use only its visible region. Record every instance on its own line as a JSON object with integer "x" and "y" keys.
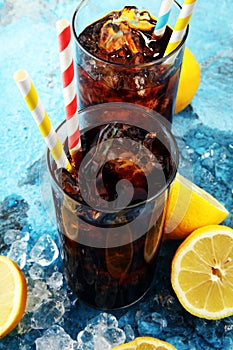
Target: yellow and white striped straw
{"x": 41, "y": 118}
{"x": 181, "y": 25}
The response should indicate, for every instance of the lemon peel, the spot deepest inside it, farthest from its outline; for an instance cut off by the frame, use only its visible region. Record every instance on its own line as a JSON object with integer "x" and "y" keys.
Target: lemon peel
{"x": 190, "y": 78}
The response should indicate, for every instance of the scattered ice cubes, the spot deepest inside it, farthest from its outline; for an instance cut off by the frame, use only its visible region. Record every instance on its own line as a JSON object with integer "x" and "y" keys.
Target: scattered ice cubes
{"x": 114, "y": 336}
{"x": 150, "y": 324}
{"x": 36, "y": 295}
{"x": 55, "y": 280}
{"x": 18, "y": 253}
{"x": 101, "y": 333}
{"x": 127, "y": 318}
{"x": 45, "y": 251}
{"x": 36, "y": 272}
{"x": 85, "y": 336}
{"x": 24, "y": 326}
{"x": 101, "y": 344}
{"x": 33, "y": 302}
{"x": 47, "y": 314}
{"x": 17, "y": 242}
{"x": 129, "y": 333}
{"x": 41, "y": 290}
{"x": 86, "y": 340}
{"x": 62, "y": 296}
{"x": 104, "y": 319}
{"x": 55, "y": 338}
{"x": 13, "y": 235}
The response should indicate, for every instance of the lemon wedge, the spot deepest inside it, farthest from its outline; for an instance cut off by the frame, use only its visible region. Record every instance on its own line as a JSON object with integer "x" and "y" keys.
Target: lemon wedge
{"x": 190, "y": 207}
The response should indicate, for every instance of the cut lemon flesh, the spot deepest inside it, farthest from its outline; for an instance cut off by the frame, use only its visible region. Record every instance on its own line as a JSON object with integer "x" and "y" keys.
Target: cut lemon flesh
{"x": 146, "y": 343}
{"x": 202, "y": 272}
{"x": 13, "y": 295}
{"x": 190, "y": 207}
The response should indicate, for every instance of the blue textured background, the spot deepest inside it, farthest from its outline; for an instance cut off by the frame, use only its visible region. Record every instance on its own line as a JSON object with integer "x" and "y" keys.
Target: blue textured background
{"x": 28, "y": 41}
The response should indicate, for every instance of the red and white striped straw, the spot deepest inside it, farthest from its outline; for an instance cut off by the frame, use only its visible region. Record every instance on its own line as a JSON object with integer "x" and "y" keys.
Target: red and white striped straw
{"x": 68, "y": 83}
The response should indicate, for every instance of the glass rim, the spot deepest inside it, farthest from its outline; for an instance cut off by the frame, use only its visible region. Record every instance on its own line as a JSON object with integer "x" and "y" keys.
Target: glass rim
{"x": 164, "y": 128}
{"x": 120, "y": 65}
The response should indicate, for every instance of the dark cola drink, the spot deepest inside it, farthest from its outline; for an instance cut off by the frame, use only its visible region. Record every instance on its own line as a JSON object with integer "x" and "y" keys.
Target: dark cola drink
{"x": 110, "y": 234}
{"x": 119, "y": 59}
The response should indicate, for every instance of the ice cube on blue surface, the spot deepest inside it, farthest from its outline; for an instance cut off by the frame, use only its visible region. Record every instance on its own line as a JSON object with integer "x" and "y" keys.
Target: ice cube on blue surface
{"x": 104, "y": 319}
{"x": 101, "y": 333}
{"x": 55, "y": 281}
{"x": 129, "y": 333}
{"x": 40, "y": 290}
{"x": 45, "y": 251}
{"x": 92, "y": 342}
{"x": 15, "y": 235}
{"x": 101, "y": 343}
{"x": 151, "y": 324}
{"x": 36, "y": 272}
{"x": 36, "y": 295}
{"x": 47, "y": 314}
{"x": 114, "y": 336}
{"x": 85, "y": 336}
{"x": 55, "y": 338}
{"x": 18, "y": 253}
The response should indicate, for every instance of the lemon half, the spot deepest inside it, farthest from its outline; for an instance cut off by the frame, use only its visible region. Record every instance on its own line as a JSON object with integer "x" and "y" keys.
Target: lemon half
{"x": 146, "y": 343}
{"x": 202, "y": 272}
{"x": 13, "y": 295}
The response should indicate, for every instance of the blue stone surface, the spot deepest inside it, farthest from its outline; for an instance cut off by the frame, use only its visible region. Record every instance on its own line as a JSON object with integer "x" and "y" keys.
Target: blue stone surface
{"x": 28, "y": 41}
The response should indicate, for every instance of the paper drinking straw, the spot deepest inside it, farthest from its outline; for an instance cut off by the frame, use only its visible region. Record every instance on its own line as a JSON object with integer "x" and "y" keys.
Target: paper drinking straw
{"x": 41, "y": 118}
{"x": 164, "y": 13}
{"x": 68, "y": 83}
{"x": 181, "y": 25}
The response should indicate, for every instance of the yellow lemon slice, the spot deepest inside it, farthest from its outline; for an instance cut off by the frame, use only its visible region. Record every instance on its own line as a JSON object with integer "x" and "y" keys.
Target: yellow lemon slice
{"x": 146, "y": 343}
{"x": 190, "y": 207}
{"x": 13, "y": 295}
{"x": 202, "y": 272}
{"x": 190, "y": 78}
